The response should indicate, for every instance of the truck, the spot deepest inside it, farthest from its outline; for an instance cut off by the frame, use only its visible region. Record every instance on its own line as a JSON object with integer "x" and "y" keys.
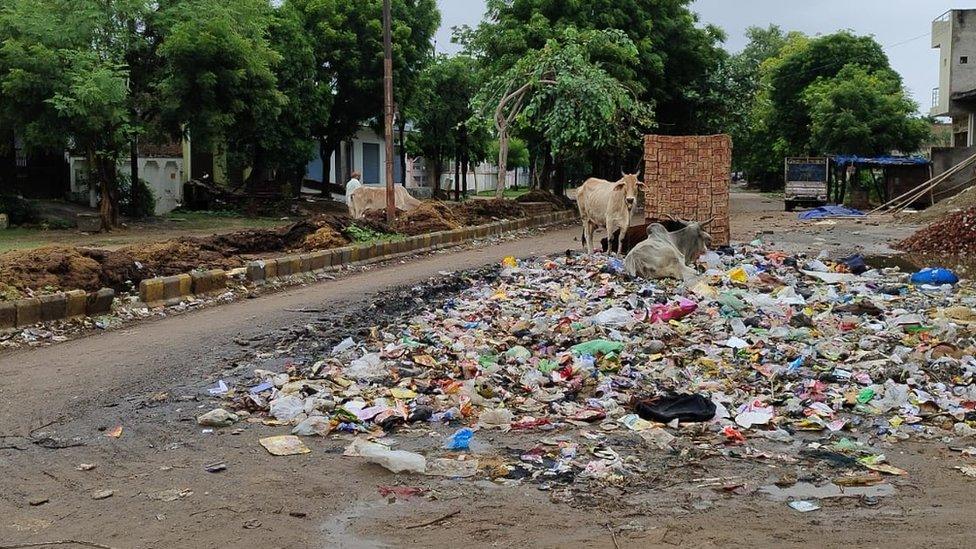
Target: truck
{"x": 807, "y": 180}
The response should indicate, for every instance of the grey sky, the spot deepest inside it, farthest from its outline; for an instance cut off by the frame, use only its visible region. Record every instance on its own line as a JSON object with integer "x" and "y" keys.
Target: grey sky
{"x": 902, "y": 26}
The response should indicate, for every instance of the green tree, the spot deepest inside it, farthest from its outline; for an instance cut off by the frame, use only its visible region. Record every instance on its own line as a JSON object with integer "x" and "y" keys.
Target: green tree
{"x": 441, "y": 111}
{"x": 563, "y": 97}
{"x": 863, "y": 112}
{"x": 674, "y": 55}
{"x": 64, "y": 83}
{"x": 800, "y": 64}
{"x": 347, "y": 39}
{"x": 219, "y": 81}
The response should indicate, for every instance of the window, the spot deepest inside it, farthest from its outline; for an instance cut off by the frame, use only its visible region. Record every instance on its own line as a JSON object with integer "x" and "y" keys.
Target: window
{"x": 963, "y": 60}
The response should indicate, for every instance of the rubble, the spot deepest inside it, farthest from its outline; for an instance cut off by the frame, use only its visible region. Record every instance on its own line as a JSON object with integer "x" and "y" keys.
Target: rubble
{"x": 953, "y": 234}
{"x": 578, "y": 371}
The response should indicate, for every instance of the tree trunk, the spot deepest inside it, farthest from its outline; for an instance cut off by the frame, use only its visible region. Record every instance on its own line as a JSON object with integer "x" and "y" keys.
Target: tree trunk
{"x": 559, "y": 180}
{"x": 457, "y": 176}
{"x": 327, "y": 148}
{"x": 464, "y": 175}
{"x": 502, "y": 161}
{"x": 533, "y": 156}
{"x": 134, "y": 160}
{"x": 437, "y": 168}
{"x": 108, "y": 201}
{"x": 545, "y": 178}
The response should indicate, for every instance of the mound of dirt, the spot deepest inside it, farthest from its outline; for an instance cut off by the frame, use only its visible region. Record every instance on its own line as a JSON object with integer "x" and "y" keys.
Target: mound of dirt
{"x": 539, "y": 195}
{"x": 955, "y": 234}
{"x": 477, "y": 212}
{"x": 54, "y": 267}
{"x": 374, "y": 221}
{"x": 428, "y": 218}
{"x": 325, "y": 238}
{"x": 951, "y": 205}
{"x": 178, "y": 256}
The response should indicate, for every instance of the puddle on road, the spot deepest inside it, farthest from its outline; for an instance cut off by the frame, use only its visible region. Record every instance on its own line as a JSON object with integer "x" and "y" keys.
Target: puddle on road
{"x": 806, "y": 490}
{"x": 337, "y": 531}
{"x": 964, "y": 266}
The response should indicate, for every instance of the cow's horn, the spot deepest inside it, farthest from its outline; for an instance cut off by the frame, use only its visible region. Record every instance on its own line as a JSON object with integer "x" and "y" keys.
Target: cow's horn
{"x": 709, "y": 222}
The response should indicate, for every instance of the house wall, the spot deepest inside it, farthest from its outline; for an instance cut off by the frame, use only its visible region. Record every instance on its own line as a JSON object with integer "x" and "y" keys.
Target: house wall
{"x": 962, "y": 75}
{"x": 164, "y": 176}
{"x": 365, "y": 137}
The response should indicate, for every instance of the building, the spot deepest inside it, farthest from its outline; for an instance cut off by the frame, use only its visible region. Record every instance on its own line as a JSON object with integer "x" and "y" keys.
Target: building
{"x": 954, "y": 35}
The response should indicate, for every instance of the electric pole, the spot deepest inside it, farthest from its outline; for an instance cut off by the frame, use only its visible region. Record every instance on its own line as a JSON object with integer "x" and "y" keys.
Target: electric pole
{"x": 388, "y": 107}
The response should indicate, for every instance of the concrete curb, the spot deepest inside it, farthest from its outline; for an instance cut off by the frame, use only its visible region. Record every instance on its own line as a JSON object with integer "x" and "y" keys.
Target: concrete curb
{"x": 60, "y": 306}
{"x": 160, "y": 291}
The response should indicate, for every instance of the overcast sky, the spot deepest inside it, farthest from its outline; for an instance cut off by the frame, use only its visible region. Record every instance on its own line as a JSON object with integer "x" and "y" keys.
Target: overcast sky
{"x": 902, "y": 26}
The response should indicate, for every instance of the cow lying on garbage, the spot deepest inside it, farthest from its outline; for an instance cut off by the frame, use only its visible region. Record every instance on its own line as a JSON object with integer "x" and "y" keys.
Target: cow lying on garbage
{"x": 667, "y": 255}
{"x": 689, "y": 237}
{"x": 366, "y": 198}
{"x": 606, "y": 204}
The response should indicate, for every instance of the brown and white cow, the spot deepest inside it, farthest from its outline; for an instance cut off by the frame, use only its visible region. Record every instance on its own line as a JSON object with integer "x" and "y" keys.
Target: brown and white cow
{"x": 366, "y": 198}
{"x": 667, "y": 255}
{"x": 606, "y": 204}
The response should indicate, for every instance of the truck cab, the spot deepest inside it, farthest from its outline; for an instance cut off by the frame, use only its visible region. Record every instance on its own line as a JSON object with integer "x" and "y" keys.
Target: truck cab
{"x": 806, "y": 181}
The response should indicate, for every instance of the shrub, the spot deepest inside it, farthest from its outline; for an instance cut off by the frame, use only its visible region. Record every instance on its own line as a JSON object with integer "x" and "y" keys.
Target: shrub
{"x": 18, "y": 210}
{"x": 137, "y": 200}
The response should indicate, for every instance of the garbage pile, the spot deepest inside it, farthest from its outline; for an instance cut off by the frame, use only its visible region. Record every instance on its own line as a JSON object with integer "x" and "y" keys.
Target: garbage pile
{"x": 583, "y": 371}
{"x": 953, "y": 234}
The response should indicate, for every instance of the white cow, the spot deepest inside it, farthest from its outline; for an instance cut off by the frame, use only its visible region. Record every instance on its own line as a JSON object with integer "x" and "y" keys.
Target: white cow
{"x": 366, "y": 198}
{"x": 658, "y": 257}
{"x": 607, "y": 204}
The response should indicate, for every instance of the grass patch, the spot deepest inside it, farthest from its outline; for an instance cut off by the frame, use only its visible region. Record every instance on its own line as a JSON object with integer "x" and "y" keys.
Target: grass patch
{"x": 19, "y": 238}
{"x": 360, "y": 235}
{"x": 509, "y": 193}
{"x": 219, "y": 219}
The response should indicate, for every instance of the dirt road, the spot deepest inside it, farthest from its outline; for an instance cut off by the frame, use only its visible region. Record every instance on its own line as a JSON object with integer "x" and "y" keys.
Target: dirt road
{"x": 60, "y": 405}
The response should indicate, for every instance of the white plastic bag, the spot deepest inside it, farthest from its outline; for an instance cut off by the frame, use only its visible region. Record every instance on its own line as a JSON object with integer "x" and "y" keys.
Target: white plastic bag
{"x": 396, "y": 461}
{"x": 287, "y": 408}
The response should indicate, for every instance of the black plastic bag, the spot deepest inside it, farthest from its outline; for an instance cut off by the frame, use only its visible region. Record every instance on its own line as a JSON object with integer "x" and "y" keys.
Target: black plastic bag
{"x": 667, "y": 408}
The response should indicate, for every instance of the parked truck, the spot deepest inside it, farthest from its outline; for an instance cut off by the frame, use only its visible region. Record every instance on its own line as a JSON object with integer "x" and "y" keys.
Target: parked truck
{"x": 806, "y": 181}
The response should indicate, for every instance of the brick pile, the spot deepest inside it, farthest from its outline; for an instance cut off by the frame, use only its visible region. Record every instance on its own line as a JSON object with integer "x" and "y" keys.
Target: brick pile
{"x": 689, "y": 177}
{"x": 954, "y": 234}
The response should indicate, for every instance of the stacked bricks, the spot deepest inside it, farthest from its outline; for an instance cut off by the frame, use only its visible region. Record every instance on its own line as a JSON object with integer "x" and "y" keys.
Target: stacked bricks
{"x": 688, "y": 177}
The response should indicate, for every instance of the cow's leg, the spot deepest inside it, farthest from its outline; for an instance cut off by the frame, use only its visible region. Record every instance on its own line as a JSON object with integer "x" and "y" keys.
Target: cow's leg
{"x": 588, "y": 229}
{"x": 613, "y": 228}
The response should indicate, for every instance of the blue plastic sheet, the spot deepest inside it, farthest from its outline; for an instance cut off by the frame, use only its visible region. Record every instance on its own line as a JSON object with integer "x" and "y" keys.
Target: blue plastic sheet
{"x": 830, "y": 211}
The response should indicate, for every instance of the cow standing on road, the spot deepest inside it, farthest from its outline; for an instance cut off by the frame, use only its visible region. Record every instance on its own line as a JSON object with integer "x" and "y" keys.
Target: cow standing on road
{"x": 608, "y": 204}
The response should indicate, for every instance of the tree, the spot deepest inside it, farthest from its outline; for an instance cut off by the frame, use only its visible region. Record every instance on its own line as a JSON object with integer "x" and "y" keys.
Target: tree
{"x": 64, "y": 83}
{"x": 862, "y": 112}
{"x": 440, "y": 111}
{"x": 219, "y": 80}
{"x": 560, "y": 94}
{"x": 800, "y": 64}
{"x": 518, "y": 154}
{"x": 673, "y": 54}
{"x": 347, "y": 39}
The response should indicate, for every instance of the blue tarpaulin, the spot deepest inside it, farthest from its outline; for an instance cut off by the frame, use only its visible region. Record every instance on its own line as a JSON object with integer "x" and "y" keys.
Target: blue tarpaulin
{"x": 841, "y": 160}
{"x": 830, "y": 211}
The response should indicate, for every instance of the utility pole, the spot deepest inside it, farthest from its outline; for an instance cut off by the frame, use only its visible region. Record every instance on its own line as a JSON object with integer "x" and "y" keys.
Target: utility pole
{"x": 388, "y": 106}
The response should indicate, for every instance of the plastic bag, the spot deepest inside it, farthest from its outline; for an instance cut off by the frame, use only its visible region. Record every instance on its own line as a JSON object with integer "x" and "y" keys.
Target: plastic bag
{"x": 315, "y": 425}
{"x": 396, "y": 461}
{"x": 615, "y": 316}
{"x": 665, "y": 409}
{"x": 287, "y": 408}
{"x": 369, "y": 366}
{"x": 936, "y": 276}
{"x": 500, "y": 418}
{"x": 598, "y": 347}
{"x": 460, "y": 440}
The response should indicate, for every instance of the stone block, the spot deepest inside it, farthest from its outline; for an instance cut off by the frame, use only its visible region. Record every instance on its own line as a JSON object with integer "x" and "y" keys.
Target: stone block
{"x": 100, "y": 302}
{"x": 425, "y": 240}
{"x": 294, "y": 262}
{"x": 177, "y": 286}
{"x": 205, "y": 282}
{"x": 270, "y": 269}
{"x": 319, "y": 260}
{"x": 384, "y": 249}
{"x": 53, "y": 307}
{"x": 151, "y": 290}
{"x": 255, "y": 271}
{"x": 89, "y": 223}
{"x": 77, "y": 300}
{"x": 4, "y": 222}
{"x": 8, "y": 314}
{"x": 345, "y": 255}
{"x": 305, "y": 265}
{"x": 28, "y": 311}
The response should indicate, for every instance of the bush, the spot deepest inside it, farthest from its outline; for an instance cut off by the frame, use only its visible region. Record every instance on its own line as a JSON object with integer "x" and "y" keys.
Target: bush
{"x": 19, "y": 210}
{"x": 137, "y": 200}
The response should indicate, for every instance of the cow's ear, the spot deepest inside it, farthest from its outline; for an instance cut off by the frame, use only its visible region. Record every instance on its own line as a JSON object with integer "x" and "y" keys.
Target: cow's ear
{"x": 620, "y": 186}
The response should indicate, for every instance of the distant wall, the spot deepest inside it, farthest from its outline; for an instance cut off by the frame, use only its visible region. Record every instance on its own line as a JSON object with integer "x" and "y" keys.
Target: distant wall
{"x": 943, "y": 160}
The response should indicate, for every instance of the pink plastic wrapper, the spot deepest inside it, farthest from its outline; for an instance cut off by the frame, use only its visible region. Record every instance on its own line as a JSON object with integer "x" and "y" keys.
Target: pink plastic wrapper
{"x": 666, "y": 313}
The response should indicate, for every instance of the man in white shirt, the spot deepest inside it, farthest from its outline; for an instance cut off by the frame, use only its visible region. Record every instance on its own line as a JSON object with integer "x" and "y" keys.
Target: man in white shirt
{"x": 353, "y": 184}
